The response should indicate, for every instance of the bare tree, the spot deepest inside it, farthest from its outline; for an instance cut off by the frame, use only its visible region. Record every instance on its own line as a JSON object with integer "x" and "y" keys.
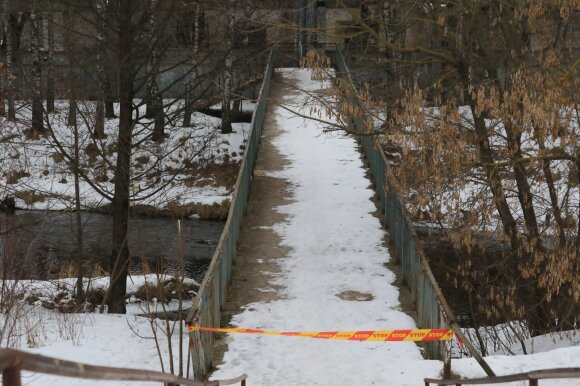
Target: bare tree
{"x": 36, "y": 72}
{"x": 9, "y": 47}
{"x": 50, "y": 70}
{"x": 483, "y": 125}
{"x": 228, "y": 73}
{"x": 100, "y": 15}
{"x": 193, "y": 83}
{"x": 155, "y": 102}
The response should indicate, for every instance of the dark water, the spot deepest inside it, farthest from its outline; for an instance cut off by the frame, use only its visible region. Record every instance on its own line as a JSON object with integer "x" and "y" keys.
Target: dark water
{"x": 43, "y": 242}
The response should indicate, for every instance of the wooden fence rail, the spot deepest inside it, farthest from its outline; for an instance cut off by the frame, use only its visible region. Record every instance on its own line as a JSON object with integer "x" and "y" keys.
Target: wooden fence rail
{"x": 12, "y": 362}
{"x": 533, "y": 377}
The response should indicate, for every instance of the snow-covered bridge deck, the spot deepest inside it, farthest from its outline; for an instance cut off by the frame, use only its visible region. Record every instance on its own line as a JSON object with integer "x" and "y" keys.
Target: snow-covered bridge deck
{"x": 312, "y": 256}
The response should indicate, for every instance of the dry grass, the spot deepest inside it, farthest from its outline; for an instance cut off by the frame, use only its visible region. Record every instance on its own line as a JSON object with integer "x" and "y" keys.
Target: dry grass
{"x": 68, "y": 269}
{"x": 165, "y": 290}
{"x": 215, "y": 211}
{"x": 213, "y": 174}
{"x": 143, "y": 159}
{"x": 30, "y": 197}
{"x": 92, "y": 151}
{"x": 57, "y": 157}
{"x": 12, "y": 176}
{"x": 9, "y": 138}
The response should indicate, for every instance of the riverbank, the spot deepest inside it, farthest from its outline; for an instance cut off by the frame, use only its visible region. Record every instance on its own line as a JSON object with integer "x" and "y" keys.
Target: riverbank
{"x": 191, "y": 172}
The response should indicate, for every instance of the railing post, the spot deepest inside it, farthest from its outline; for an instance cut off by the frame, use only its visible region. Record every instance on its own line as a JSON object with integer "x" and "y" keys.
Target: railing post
{"x": 11, "y": 377}
{"x": 533, "y": 382}
{"x": 447, "y": 360}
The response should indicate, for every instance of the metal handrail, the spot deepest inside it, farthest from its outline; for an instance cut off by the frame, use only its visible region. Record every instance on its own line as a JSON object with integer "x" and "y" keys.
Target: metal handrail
{"x": 433, "y": 310}
{"x": 532, "y": 376}
{"x": 206, "y": 308}
{"x": 12, "y": 362}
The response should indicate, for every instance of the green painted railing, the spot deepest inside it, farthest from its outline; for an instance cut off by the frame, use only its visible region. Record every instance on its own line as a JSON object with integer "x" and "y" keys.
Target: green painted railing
{"x": 432, "y": 309}
{"x": 206, "y": 308}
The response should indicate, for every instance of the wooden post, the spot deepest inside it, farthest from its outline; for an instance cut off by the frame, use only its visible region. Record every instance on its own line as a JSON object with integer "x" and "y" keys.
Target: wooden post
{"x": 447, "y": 359}
{"x": 533, "y": 382}
{"x": 11, "y": 377}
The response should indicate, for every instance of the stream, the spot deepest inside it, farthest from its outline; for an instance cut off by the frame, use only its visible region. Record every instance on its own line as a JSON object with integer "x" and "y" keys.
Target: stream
{"x": 42, "y": 243}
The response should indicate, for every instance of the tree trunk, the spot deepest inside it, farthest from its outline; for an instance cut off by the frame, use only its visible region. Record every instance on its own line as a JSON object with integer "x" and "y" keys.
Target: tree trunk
{"x": 524, "y": 192}
{"x": 578, "y": 211}
{"x": 79, "y": 227}
{"x": 226, "y": 105}
{"x": 495, "y": 185}
{"x": 50, "y": 61}
{"x": 392, "y": 35}
{"x": 72, "y": 111}
{"x": 159, "y": 125}
{"x": 302, "y": 36}
{"x": 99, "y": 131}
{"x": 9, "y": 63}
{"x": 556, "y": 210}
{"x": 36, "y": 73}
{"x": 2, "y": 91}
{"x": 311, "y": 30}
{"x": 72, "y": 81}
{"x": 120, "y": 203}
{"x": 3, "y": 72}
{"x": 189, "y": 100}
{"x": 237, "y": 108}
{"x": 109, "y": 99}
{"x": 155, "y": 101}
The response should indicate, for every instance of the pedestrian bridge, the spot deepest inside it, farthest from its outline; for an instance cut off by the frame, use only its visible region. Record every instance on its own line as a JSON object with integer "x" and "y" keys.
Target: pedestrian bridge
{"x": 305, "y": 233}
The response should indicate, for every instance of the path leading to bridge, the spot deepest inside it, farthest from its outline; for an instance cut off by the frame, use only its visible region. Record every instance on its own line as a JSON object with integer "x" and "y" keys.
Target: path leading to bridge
{"x": 312, "y": 258}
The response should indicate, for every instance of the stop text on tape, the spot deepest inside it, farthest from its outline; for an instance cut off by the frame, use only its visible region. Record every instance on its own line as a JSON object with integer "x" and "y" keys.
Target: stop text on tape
{"x": 420, "y": 335}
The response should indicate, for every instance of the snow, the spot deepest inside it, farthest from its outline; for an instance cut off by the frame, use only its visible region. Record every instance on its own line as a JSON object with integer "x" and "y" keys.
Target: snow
{"x": 336, "y": 245}
{"x": 98, "y": 339}
{"x": 105, "y": 340}
{"x": 155, "y": 164}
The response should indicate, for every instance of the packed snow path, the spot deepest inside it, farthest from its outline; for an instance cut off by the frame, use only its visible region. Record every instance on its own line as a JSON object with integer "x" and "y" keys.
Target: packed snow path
{"x": 325, "y": 270}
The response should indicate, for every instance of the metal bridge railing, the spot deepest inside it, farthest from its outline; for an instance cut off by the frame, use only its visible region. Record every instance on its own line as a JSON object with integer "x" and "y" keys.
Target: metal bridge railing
{"x": 12, "y": 362}
{"x": 533, "y": 378}
{"x": 433, "y": 311}
{"x": 206, "y": 308}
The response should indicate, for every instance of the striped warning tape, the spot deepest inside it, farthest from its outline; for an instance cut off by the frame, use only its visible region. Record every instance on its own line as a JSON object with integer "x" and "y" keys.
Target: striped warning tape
{"x": 423, "y": 335}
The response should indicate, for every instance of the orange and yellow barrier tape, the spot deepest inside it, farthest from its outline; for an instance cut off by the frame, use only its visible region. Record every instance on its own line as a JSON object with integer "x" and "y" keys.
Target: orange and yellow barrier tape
{"x": 423, "y": 335}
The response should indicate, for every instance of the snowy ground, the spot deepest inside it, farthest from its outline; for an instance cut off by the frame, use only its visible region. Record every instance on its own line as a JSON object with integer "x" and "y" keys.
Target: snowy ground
{"x": 100, "y": 339}
{"x": 107, "y": 340}
{"x": 337, "y": 245}
{"x": 169, "y": 172}
{"x": 139, "y": 289}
